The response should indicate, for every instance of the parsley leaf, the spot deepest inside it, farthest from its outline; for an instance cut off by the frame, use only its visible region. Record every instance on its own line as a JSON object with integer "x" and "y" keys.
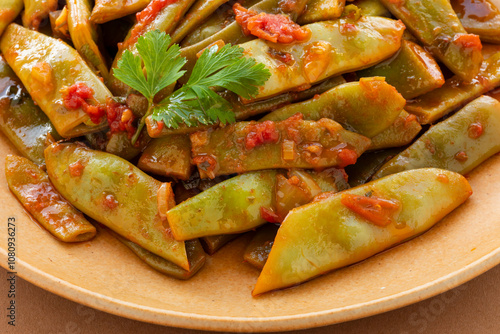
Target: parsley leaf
{"x": 192, "y": 107}
{"x": 196, "y": 102}
{"x": 228, "y": 68}
{"x": 224, "y": 68}
{"x": 162, "y": 63}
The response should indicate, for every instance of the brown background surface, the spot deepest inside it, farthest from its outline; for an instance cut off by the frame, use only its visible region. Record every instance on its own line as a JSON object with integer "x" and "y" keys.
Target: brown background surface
{"x": 471, "y": 308}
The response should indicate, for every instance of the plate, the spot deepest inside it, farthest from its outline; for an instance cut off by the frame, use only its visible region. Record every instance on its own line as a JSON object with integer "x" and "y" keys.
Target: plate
{"x": 105, "y": 275}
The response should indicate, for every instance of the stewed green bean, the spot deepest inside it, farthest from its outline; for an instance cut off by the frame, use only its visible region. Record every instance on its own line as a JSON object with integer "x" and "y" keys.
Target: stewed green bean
{"x": 117, "y": 194}
{"x": 36, "y": 193}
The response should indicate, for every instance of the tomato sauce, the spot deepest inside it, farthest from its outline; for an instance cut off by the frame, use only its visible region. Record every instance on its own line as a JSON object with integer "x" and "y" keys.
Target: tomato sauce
{"x": 76, "y": 169}
{"x": 78, "y": 95}
{"x": 110, "y": 202}
{"x": 261, "y": 133}
{"x": 271, "y": 27}
{"x": 291, "y": 126}
{"x": 269, "y": 216}
{"x": 347, "y": 157}
{"x": 120, "y": 118}
{"x": 348, "y": 28}
{"x": 371, "y": 88}
{"x": 288, "y": 5}
{"x": 461, "y": 156}
{"x": 376, "y": 210}
{"x": 480, "y": 11}
{"x": 43, "y": 198}
{"x": 475, "y": 130}
{"x": 468, "y": 41}
{"x": 242, "y": 17}
{"x": 284, "y": 57}
{"x": 443, "y": 178}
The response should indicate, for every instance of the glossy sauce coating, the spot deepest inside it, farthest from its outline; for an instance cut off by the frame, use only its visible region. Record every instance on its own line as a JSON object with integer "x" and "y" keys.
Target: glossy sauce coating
{"x": 479, "y": 17}
{"x": 412, "y": 71}
{"x": 26, "y": 126}
{"x": 168, "y": 156}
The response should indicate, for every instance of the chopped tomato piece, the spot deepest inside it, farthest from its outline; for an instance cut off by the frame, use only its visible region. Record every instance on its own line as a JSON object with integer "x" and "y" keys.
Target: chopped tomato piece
{"x": 269, "y": 215}
{"x": 468, "y": 41}
{"x": 475, "y": 130}
{"x": 348, "y": 28}
{"x": 242, "y": 16}
{"x": 461, "y": 156}
{"x": 145, "y": 17}
{"x": 276, "y": 28}
{"x": 261, "y": 133}
{"x": 76, "y": 168}
{"x": 76, "y": 96}
{"x": 347, "y": 157}
{"x": 120, "y": 118}
{"x": 110, "y": 202}
{"x": 376, "y": 210}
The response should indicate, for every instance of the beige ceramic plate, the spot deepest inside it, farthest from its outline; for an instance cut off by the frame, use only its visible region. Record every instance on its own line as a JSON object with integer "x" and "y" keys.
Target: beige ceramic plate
{"x": 103, "y": 274}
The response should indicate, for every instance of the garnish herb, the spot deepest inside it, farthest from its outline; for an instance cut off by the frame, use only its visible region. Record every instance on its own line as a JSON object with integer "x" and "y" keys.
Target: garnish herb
{"x": 196, "y": 102}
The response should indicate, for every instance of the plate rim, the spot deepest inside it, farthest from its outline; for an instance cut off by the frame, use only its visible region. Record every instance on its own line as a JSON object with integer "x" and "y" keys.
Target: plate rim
{"x": 195, "y": 321}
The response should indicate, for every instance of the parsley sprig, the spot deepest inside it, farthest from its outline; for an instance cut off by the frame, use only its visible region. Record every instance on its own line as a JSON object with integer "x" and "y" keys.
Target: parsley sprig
{"x": 196, "y": 102}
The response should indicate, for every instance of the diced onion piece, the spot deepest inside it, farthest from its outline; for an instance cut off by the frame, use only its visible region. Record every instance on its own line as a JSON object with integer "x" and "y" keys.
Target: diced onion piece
{"x": 288, "y": 150}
